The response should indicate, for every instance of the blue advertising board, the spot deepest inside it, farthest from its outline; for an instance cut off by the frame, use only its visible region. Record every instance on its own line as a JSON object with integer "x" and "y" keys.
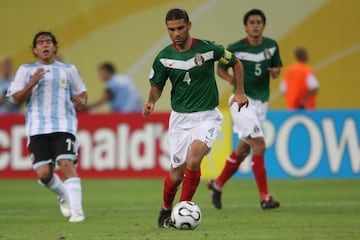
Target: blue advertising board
{"x": 310, "y": 144}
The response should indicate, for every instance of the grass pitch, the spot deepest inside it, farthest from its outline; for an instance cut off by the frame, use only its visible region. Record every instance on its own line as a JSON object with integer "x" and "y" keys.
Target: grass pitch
{"x": 128, "y": 209}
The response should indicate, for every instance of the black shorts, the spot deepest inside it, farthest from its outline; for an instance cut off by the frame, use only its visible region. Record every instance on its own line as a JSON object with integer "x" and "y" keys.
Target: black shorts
{"x": 49, "y": 148}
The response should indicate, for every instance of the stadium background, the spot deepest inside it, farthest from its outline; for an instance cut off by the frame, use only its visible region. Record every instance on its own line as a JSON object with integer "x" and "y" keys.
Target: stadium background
{"x": 130, "y": 33}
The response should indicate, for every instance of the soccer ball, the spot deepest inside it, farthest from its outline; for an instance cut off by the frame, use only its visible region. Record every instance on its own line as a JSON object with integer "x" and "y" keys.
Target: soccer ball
{"x": 186, "y": 215}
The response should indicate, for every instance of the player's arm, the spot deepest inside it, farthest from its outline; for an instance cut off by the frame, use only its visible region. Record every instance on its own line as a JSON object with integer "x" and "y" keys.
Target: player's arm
{"x": 239, "y": 96}
{"x": 154, "y": 95}
{"x": 224, "y": 74}
{"x": 78, "y": 89}
{"x": 276, "y": 63}
{"x": 274, "y": 71}
{"x": 19, "y": 91}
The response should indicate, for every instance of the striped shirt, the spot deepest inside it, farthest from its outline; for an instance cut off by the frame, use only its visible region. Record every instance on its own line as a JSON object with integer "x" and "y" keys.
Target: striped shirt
{"x": 49, "y": 107}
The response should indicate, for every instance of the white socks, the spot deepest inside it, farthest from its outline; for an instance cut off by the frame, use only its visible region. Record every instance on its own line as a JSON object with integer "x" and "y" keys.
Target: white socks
{"x": 56, "y": 185}
{"x": 73, "y": 189}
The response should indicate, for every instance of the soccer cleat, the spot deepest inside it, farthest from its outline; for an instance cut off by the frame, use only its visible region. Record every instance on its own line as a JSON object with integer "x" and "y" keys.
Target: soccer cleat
{"x": 216, "y": 194}
{"x": 269, "y": 203}
{"x": 77, "y": 217}
{"x": 164, "y": 220}
{"x": 64, "y": 206}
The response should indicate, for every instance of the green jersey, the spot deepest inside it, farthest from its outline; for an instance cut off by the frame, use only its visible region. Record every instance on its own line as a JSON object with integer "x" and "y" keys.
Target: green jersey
{"x": 256, "y": 61}
{"x": 191, "y": 74}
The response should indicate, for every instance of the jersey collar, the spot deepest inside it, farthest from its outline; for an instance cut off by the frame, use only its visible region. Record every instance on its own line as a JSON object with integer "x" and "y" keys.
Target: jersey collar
{"x": 193, "y": 41}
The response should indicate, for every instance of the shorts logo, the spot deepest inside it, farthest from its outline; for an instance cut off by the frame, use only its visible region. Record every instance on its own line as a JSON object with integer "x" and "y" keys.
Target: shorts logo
{"x": 267, "y": 54}
{"x": 32, "y": 158}
{"x": 256, "y": 129}
{"x": 198, "y": 59}
{"x": 176, "y": 159}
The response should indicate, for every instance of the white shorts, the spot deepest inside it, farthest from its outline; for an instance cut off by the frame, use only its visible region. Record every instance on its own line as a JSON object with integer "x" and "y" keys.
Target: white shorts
{"x": 184, "y": 128}
{"x": 247, "y": 122}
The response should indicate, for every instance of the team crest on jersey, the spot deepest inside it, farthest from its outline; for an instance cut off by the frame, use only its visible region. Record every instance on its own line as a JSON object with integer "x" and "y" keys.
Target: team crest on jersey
{"x": 256, "y": 129}
{"x": 267, "y": 54}
{"x": 63, "y": 82}
{"x": 199, "y": 59}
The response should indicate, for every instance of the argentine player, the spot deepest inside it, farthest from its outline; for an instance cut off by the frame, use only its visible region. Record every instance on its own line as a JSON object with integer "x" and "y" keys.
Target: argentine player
{"x": 261, "y": 60}
{"x": 52, "y": 90}
{"x": 195, "y": 120}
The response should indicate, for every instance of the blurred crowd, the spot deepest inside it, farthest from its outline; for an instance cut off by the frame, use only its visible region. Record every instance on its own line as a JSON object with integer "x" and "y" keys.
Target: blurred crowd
{"x": 299, "y": 87}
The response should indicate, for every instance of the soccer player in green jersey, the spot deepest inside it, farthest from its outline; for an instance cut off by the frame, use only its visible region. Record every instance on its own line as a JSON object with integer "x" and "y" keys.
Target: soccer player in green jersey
{"x": 195, "y": 120}
{"x": 261, "y": 59}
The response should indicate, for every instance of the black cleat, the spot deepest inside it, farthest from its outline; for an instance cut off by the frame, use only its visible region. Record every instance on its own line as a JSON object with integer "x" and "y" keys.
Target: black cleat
{"x": 164, "y": 220}
{"x": 216, "y": 194}
{"x": 270, "y": 203}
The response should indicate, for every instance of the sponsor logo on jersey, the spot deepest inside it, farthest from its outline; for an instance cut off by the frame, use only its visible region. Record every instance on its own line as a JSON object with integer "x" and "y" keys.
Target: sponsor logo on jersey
{"x": 267, "y": 54}
{"x": 199, "y": 59}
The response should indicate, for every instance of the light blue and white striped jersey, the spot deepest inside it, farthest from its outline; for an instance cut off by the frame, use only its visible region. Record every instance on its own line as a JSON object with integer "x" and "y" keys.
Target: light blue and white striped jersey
{"x": 49, "y": 107}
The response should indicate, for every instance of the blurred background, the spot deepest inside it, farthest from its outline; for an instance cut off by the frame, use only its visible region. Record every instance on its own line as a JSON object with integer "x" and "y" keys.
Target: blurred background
{"x": 130, "y": 33}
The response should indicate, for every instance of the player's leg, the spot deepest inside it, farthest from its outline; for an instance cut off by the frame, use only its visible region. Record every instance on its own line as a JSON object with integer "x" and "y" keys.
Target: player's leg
{"x": 258, "y": 166}
{"x": 171, "y": 183}
{"x": 178, "y": 148}
{"x": 242, "y": 126}
{"x": 192, "y": 172}
{"x": 66, "y": 156}
{"x": 232, "y": 164}
{"x": 41, "y": 155}
{"x": 204, "y": 136}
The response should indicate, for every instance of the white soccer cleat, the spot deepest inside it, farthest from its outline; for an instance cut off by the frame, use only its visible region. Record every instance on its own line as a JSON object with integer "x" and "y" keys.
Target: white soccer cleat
{"x": 77, "y": 217}
{"x": 64, "y": 206}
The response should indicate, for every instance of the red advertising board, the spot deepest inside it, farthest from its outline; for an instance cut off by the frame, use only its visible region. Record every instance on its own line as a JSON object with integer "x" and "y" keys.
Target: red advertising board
{"x": 111, "y": 145}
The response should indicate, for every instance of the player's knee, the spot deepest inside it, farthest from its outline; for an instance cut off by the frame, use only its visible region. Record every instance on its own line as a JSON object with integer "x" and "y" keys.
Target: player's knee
{"x": 176, "y": 178}
{"x": 67, "y": 168}
{"x": 44, "y": 177}
{"x": 259, "y": 149}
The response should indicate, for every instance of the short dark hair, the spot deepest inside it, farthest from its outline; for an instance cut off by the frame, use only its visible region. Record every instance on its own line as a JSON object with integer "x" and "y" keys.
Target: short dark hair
{"x": 177, "y": 14}
{"x": 253, "y": 12}
{"x": 44, "y": 33}
{"x": 109, "y": 67}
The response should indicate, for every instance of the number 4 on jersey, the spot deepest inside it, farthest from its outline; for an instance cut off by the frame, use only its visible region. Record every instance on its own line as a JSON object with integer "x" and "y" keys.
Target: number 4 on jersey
{"x": 187, "y": 78}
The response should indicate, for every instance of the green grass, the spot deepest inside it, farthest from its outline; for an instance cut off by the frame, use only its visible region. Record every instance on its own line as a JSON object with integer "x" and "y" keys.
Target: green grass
{"x": 128, "y": 209}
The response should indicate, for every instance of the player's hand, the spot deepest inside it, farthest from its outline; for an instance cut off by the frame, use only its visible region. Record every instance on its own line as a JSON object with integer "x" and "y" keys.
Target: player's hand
{"x": 274, "y": 72}
{"x": 37, "y": 76}
{"x": 79, "y": 101}
{"x": 147, "y": 109}
{"x": 241, "y": 100}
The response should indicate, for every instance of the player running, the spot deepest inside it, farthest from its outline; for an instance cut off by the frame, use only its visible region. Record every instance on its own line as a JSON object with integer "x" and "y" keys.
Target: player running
{"x": 261, "y": 59}
{"x": 52, "y": 90}
{"x": 195, "y": 120}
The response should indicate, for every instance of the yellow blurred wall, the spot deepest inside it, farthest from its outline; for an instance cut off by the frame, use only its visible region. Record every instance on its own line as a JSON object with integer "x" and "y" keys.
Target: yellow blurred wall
{"x": 130, "y": 33}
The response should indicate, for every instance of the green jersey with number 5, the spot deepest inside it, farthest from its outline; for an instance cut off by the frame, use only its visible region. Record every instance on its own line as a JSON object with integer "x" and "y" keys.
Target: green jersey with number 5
{"x": 256, "y": 61}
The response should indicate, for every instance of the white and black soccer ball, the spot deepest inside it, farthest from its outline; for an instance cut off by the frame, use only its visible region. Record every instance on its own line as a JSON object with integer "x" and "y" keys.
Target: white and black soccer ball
{"x": 185, "y": 215}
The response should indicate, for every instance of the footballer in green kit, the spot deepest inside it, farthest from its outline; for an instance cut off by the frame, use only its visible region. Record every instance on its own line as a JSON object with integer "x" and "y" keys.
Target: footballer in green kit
{"x": 195, "y": 120}
{"x": 261, "y": 60}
